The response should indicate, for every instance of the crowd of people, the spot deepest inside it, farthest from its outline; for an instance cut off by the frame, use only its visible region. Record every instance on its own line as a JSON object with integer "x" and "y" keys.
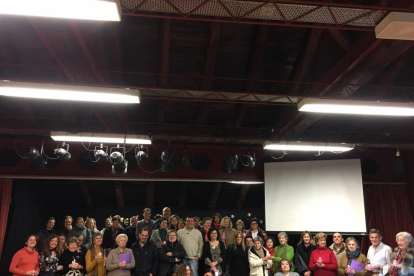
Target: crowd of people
{"x": 211, "y": 247}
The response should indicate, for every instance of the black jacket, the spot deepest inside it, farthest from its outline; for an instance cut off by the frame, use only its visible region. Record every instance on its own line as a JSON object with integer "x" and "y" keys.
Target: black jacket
{"x": 66, "y": 259}
{"x": 207, "y": 254}
{"x": 146, "y": 258}
{"x": 302, "y": 257}
{"x": 242, "y": 268}
{"x": 132, "y": 237}
{"x": 167, "y": 263}
{"x": 107, "y": 240}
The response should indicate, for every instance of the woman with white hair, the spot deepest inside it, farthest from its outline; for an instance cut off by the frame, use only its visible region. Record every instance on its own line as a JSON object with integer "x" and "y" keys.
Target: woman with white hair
{"x": 283, "y": 251}
{"x": 116, "y": 263}
{"x": 402, "y": 257}
{"x": 260, "y": 260}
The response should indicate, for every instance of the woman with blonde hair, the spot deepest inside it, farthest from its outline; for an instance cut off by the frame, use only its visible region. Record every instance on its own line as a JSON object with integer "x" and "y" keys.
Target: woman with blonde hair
{"x": 227, "y": 233}
{"x": 95, "y": 259}
{"x": 322, "y": 261}
{"x": 237, "y": 259}
{"x": 304, "y": 251}
{"x": 182, "y": 270}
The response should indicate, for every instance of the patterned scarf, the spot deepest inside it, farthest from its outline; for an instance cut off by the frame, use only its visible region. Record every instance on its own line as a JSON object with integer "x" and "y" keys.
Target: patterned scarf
{"x": 393, "y": 269}
{"x": 281, "y": 250}
{"x": 352, "y": 255}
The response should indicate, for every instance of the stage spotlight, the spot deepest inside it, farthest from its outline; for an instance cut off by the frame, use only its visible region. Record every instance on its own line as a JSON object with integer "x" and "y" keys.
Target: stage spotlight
{"x": 31, "y": 153}
{"x": 101, "y": 156}
{"x": 142, "y": 158}
{"x": 248, "y": 161}
{"x": 168, "y": 163}
{"x": 230, "y": 162}
{"x": 185, "y": 160}
{"x": 166, "y": 155}
{"x": 63, "y": 154}
{"x": 119, "y": 164}
{"x": 39, "y": 163}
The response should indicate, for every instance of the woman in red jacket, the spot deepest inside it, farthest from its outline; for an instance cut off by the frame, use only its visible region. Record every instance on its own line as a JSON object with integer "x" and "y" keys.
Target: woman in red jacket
{"x": 26, "y": 260}
{"x": 322, "y": 261}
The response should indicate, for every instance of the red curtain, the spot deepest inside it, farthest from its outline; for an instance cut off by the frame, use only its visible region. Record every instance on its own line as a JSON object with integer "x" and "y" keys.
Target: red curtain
{"x": 387, "y": 209}
{"x": 5, "y": 197}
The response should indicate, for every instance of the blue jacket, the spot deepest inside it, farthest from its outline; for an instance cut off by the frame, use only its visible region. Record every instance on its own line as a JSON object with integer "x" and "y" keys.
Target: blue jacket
{"x": 146, "y": 258}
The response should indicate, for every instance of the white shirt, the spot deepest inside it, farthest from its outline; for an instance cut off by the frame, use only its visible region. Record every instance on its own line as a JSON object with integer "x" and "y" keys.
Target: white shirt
{"x": 254, "y": 234}
{"x": 381, "y": 256}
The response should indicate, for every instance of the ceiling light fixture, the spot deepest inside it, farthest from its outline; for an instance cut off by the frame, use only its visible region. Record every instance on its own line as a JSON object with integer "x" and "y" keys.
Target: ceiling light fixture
{"x": 101, "y": 138}
{"x": 356, "y": 107}
{"x": 246, "y": 182}
{"x": 107, "y": 10}
{"x": 308, "y": 146}
{"x": 396, "y": 25}
{"x": 68, "y": 92}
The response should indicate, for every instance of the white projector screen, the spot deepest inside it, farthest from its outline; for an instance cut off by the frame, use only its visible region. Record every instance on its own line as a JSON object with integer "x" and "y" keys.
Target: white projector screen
{"x": 316, "y": 196}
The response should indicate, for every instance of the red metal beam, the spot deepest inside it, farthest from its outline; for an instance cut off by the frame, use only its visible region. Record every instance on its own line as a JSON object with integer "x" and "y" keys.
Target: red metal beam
{"x": 165, "y": 50}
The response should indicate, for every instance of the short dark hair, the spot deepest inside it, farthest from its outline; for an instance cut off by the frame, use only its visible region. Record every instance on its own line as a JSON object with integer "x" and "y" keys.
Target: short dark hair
{"x": 248, "y": 237}
{"x": 50, "y": 218}
{"x": 116, "y": 218}
{"x": 280, "y": 263}
{"x": 206, "y": 218}
{"x": 31, "y": 235}
{"x": 375, "y": 231}
{"x": 143, "y": 229}
{"x": 211, "y": 230}
{"x": 272, "y": 239}
{"x": 189, "y": 217}
{"x": 162, "y": 219}
{"x": 253, "y": 220}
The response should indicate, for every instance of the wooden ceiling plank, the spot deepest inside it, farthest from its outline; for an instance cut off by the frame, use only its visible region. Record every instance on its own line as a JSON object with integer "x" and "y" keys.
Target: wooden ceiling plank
{"x": 85, "y": 193}
{"x": 183, "y": 196}
{"x": 242, "y": 196}
{"x": 214, "y": 196}
{"x": 119, "y": 191}
{"x": 342, "y": 39}
{"x": 150, "y": 195}
{"x": 165, "y": 50}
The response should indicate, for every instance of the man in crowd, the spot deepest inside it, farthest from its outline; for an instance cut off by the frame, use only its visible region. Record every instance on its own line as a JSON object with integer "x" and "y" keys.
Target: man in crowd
{"x": 147, "y": 222}
{"x": 44, "y": 234}
{"x": 197, "y": 223}
{"x": 112, "y": 232}
{"x": 378, "y": 254}
{"x": 192, "y": 241}
{"x": 145, "y": 254}
{"x": 131, "y": 231}
{"x": 166, "y": 213}
{"x": 338, "y": 246}
{"x": 255, "y": 230}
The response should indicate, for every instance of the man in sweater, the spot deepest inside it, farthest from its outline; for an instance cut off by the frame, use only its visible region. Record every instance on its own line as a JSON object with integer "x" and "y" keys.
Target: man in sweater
{"x": 147, "y": 222}
{"x": 338, "y": 246}
{"x": 192, "y": 241}
{"x": 44, "y": 234}
{"x": 145, "y": 254}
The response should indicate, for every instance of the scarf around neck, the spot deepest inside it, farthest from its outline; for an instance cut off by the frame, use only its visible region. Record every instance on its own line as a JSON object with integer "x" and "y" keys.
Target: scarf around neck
{"x": 398, "y": 258}
{"x": 281, "y": 250}
{"x": 352, "y": 255}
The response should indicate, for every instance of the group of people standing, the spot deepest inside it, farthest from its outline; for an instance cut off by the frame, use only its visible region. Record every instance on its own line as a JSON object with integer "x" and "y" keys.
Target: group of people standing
{"x": 161, "y": 248}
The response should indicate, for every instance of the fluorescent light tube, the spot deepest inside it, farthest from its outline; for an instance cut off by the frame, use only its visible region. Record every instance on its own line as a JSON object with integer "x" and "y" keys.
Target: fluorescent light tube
{"x": 101, "y": 138}
{"x": 356, "y": 107}
{"x": 246, "y": 182}
{"x": 68, "y": 92}
{"x": 104, "y": 10}
{"x": 308, "y": 146}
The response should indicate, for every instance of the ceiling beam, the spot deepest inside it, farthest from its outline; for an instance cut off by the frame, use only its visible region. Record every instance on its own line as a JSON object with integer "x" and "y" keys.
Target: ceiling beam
{"x": 183, "y": 196}
{"x": 161, "y": 111}
{"x": 214, "y": 196}
{"x": 242, "y": 196}
{"x": 342, "y": 39}
{"x": 150, "y": 195}
{"x": 119, "y": 191}
{"x": 85, "y": 193}
{"x": 164, "y": 50}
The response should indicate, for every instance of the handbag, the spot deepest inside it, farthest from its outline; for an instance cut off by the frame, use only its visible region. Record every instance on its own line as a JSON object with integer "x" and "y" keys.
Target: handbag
{"x": 74, "y": 272}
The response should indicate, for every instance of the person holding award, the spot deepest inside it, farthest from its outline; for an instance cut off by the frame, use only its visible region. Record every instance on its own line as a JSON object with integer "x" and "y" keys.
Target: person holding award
{"x": 322, "y": 261}
{"x": 402, "y": 257}
{"x": 378, "y": 255}
{"x": 120, "y": 260}
{"x": 353, "y": 262}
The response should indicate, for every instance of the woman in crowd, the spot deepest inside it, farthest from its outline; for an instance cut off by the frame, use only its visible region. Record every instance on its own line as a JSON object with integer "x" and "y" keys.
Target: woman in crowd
{"x": 402, "y": 257}
{"x": 237, "y": 259}
{"x": 270, "y": 247}
{"x": 182, "y": 270}
{"x": 67, "y": 226}
{"x": 216, "y": 220}
{"x": 205, "y": 227}
{"x": 108, "y": 223}
{"x": 49, "y": 257}
{"x": 159, "y": 236}
{"x": 72, "y": 260}
{"x": 283, "y": 251}
{"x": 172, "y": 254}
{"x": 26, "y": 260}
{"x": 81, "y": 246}
{"x": 285, "y": 269}
{"x": 62, "y": 245}
{"x": 353, "y": 253}
{"x": 180, "y": 224}
{"x": 214, "y": 252}
{"x": 91, "y": 225}
{"x": 113, "y": 263}
{"x": 173, "y": 221}
{"x": 95, "y": 261}
{"x": 260, "y": 260}
{"x": 240, "y": 227}
{"x": 80, "y": 229}
{"x": 303, "y": 253}
{"x": 227, "y": 233}
{"x": 322, "y": 261}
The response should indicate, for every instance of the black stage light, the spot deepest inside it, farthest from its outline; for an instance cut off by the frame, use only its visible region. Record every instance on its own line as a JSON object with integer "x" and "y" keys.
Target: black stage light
{"x": 142, "y": 158}
{"x": 101, "y": 156}
{"x": 185, "y": 160}
{"x": 119, "y": 164}
{"x": 248, "y": 161}
{"x": 39, "y": 163}
{"x": 168, "y": 162}
{"x": 63, "y": 154}
{"x": 31, "y": 153}
{"x": 230, "y": 162}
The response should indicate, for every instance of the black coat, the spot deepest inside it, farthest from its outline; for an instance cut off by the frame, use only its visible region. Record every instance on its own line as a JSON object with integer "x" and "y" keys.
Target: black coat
{"x": 132, "y": 237}
{"x": 237, "y": 263}
{"x": 207, "y": 254}
{"x": 167, "y": 263}
{"x": 66, "y": 259}
{"x": 146, "y": 258}
{"x": 107, "y": 240}
{"x": 302, "y": 257}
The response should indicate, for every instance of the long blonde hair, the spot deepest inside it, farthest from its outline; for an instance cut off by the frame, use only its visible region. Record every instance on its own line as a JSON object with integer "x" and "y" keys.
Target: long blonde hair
{"x": 181, "y": 270}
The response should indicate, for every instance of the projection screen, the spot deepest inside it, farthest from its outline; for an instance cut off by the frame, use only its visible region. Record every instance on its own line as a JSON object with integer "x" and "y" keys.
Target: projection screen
{"x": 316, "y": 196}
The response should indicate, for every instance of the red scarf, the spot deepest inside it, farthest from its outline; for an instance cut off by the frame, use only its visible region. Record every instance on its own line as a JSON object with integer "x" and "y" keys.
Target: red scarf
{"x": 205, "y": 236}
{"x": 393, "y": 269}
